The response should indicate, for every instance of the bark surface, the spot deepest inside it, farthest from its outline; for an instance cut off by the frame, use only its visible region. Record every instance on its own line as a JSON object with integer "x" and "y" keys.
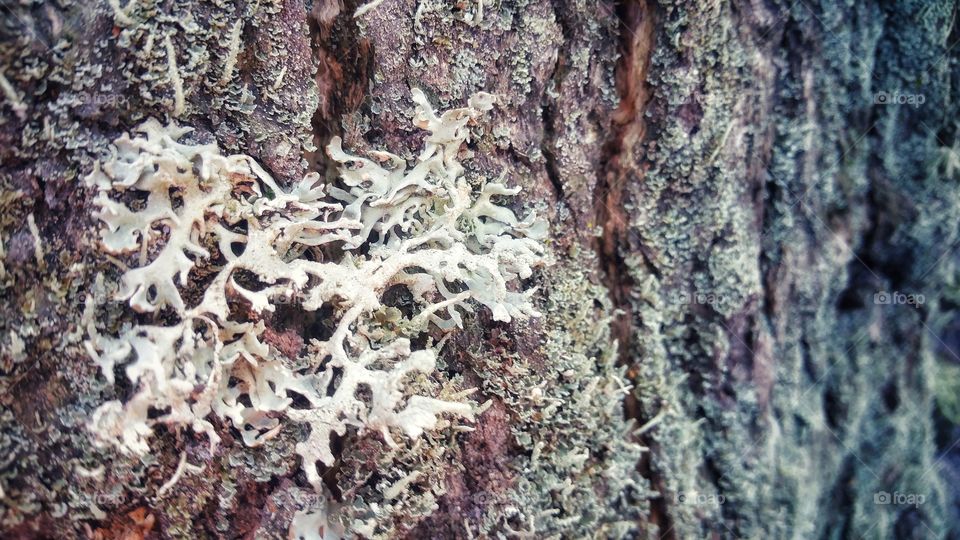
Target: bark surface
{"x": 753, "y": 209}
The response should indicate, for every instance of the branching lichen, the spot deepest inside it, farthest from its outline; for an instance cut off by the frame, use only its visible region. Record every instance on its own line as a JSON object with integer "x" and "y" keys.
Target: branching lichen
{"x": 173, "y": 73}
{"x": 338, "y": 246}
{"x": 233, "y": 51}
{"x": 16, "y": 103}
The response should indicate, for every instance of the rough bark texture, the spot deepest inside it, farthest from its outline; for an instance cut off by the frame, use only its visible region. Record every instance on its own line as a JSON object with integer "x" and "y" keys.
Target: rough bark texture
{"x": 726, "y": 197}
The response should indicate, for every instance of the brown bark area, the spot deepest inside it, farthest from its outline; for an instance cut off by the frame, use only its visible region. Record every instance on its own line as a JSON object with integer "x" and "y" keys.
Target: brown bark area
{"x": 628, "y": 134}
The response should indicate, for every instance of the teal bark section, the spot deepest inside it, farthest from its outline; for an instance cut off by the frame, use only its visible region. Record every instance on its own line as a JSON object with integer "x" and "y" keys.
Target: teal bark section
{"x": 799, "y": 229}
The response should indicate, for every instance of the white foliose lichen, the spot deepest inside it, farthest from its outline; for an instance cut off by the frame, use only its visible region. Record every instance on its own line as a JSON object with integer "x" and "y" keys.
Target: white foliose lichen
{"x": 339, "y": 246}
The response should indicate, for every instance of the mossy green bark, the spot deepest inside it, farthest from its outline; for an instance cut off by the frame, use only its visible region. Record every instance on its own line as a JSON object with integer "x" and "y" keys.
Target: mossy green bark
{"x": 780, "y": 196}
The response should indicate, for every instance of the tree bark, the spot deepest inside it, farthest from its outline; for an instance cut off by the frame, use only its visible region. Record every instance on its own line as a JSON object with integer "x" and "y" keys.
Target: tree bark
{"x": 750, "y": 328}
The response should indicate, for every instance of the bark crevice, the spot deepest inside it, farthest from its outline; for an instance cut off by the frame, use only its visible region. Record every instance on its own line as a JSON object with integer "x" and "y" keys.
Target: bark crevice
{"x": 637, "y": 38}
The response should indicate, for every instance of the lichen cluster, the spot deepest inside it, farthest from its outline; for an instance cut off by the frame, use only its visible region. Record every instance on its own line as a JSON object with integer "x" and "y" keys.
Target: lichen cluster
{"x": 183, "y": 213}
